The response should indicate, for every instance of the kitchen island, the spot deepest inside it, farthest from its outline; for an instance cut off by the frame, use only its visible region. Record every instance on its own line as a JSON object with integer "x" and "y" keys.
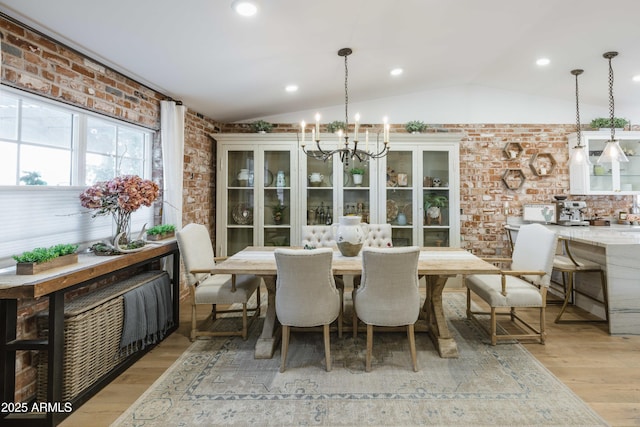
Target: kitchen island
{"x": 617, "y": 249}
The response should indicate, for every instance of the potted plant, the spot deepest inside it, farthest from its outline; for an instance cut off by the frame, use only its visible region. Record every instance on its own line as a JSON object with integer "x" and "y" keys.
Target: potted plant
{"x": 357, "y": 174}
{"x": 433, "y": 204}
{"x": 40, "y": 259}
{"x": 415, "y": 126}
{"x": 277, "y": 211}
{"x": 160, "y": 232}
{"x": 260, "y": 126}
{"x": 335, "y": 126}
{"x": 32, "y": 178}
{"x": 605, "y": 123}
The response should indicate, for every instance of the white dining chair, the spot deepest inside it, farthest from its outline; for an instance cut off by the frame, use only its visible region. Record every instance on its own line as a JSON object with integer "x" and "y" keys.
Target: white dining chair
{"x": 205, "y": 287}
{"x": 523, "y": 285}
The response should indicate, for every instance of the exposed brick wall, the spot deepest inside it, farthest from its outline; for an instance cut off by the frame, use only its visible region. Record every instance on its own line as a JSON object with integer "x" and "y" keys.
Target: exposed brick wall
{"x": 39, "y": 65}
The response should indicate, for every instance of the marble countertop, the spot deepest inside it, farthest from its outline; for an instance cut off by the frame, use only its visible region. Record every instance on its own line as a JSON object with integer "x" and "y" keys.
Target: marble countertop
{"x": 612, "y": 235}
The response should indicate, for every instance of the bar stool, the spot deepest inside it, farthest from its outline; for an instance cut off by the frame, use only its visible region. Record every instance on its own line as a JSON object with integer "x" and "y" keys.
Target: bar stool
{"x": 570, "y": 265}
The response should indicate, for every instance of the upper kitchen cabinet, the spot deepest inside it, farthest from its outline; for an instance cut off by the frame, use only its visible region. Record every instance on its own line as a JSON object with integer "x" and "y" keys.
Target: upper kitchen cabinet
{"x": 606, "y": 178}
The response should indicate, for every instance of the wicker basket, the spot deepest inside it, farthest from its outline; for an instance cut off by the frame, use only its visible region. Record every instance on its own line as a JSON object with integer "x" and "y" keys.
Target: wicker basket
{"x": 92, "y": 332}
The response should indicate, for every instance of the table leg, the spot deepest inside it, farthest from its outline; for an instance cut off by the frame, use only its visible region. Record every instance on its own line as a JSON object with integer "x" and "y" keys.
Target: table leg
{"x": 268, "y": 340}
{"x": 433, "y": 313}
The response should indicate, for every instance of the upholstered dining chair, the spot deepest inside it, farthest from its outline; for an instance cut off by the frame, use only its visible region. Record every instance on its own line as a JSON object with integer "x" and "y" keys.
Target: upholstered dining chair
{"x": 306, "y": 295}
{"x": 213, "y": 289}
{"x": 388, "y": 294}
{"x": 523, "y": 285}
{"x": 378, "y": 236}
{"x": 321, "y": 236}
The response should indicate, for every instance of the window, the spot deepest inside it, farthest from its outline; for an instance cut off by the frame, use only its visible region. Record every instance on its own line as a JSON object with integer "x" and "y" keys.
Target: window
{"x": 50, "y": 153}
{"x": 48, "y": 143}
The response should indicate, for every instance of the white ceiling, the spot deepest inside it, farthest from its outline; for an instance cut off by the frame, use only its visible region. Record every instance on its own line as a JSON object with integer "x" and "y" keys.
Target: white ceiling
{"x": 233, "y": 69}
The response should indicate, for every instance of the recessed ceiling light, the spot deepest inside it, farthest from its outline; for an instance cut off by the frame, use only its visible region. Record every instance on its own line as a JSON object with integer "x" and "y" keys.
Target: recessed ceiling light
{"x": 543, "y": 61}
{"x": 244, "y": 7}
{"x": 636, "y": 78}
{"x": 291, "y": 88}
{"x": 396, "y": 71}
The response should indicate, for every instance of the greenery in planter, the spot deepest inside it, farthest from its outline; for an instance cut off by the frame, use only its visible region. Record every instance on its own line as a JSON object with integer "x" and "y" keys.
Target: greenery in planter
{"x": 40, "y": 255}
{"x": 335, "y": 126}
{"x": 437, "y": 200}
{"x": 415, "y": 126}
{"x": 161, "y": 229}
{"x": 605, "y": 122}
{"x": 32, "y": 178}
{"x": 261, "y": 126}
{"x": 357, "y": 171}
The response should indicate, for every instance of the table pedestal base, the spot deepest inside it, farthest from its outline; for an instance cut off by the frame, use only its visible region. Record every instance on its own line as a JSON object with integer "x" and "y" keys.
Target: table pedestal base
{"x": 270, "y": 337}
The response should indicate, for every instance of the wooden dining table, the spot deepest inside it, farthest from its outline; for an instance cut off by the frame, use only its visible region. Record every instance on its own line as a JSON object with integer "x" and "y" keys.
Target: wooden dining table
{"x": 435, "y": 264}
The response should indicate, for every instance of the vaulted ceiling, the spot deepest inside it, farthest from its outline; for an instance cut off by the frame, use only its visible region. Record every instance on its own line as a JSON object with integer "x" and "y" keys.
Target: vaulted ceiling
{"x": 232, "y": 68}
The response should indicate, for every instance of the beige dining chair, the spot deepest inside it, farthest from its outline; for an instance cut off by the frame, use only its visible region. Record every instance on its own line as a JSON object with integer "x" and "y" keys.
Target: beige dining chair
{"x": 378, "y": 236}
{"x": 306, "y": 295}
{"x": 321, "y": 236}
{"x": 205, "y": 287}
{"x": 523, "y": 285}
{"x": 388, "y": 295}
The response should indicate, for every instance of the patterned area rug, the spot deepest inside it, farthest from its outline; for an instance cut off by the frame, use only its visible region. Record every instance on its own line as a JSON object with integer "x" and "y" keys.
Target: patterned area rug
{"x": 218, "y": 382}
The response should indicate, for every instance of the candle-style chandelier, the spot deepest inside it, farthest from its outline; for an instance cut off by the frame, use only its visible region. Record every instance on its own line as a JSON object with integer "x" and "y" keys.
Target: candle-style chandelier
{"x": 347, "y": 151}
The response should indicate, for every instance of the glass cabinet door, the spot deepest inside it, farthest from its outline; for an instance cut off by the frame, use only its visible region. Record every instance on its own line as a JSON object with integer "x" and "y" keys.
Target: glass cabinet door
{"x": 435, "y": 197}
{"x": 277, "y": 198}
{"x": 320, "y": 194}
{"x": 241, "y": 200}
{"x": 600, "y": 174}
{"x": 400, "y": 200}
{"x": 356, "y": 189}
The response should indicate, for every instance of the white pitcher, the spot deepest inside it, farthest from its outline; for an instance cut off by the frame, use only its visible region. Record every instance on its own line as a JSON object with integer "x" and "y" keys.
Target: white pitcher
{"x": 349, "y": 234}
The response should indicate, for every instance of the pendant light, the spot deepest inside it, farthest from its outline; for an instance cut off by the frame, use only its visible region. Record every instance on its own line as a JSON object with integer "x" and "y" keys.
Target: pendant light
{"x": 612, "y": 151}
{"x": 579, "y": 156}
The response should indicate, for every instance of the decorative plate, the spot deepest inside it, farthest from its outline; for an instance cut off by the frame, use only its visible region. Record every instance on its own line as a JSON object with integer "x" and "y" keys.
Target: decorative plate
{"x": 346, "y": 179}
{"x": 407, "y": 210}
{"x": 268, "y": 177}
{"x": 392, "y": 210}
{"x": 242, "y": 214}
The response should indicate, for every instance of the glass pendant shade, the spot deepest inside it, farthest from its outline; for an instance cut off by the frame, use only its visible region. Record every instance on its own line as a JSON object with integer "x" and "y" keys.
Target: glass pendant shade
{"x": 579, "y": 156}
{"x": 612, "y": 152}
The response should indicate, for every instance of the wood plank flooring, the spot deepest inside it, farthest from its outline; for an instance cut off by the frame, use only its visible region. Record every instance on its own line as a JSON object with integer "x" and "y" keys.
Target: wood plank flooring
{"x": 603, "y": 370}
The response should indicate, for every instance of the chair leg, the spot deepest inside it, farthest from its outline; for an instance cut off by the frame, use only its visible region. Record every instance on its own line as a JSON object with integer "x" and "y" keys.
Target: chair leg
{"x": 494, "y": 336}
{"x": 354, "y": 318}
{"x": 412, "y": 346}
{"x": 340, "y": 314}
{"x": 542, "y": 322}
{"x": 194, "y": 325}
{"x": 568, "y": 291}
{"x": 367, "y": 366}
{"x": 327, "y": 346}
{"x": 258, "y": 301}
{"x": 244, "y": 321}
{"x": 285, "y": 347}
{"x": 468, "y": 303}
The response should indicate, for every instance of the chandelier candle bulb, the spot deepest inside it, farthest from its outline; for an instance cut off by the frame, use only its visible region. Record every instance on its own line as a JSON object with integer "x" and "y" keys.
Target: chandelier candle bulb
{"x": 302, "y": 126}
{"x": 318, "y": 125}
{"x": 366, "y": 141}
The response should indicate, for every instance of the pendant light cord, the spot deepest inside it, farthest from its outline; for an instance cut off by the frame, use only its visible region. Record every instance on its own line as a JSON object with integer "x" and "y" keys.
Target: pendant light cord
{"x": 609, "y": 56}
{"x": 578, "y": 128}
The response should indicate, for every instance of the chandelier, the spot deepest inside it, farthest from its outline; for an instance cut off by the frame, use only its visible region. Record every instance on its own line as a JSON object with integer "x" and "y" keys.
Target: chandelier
{"x": 347, "y": 151}
{"x": 578, "y": 154}
{"x": 612, "y": 151}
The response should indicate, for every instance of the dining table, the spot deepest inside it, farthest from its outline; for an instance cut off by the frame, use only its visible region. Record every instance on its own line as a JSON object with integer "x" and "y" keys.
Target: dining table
{"x": 436, "y": 265}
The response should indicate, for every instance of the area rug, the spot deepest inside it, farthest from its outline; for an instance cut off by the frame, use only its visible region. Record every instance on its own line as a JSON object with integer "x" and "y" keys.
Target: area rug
{"x": 218, "y": 382}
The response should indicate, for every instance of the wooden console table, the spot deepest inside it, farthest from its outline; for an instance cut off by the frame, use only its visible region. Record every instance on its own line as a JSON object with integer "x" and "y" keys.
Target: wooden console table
{"x": 53, "y": 285}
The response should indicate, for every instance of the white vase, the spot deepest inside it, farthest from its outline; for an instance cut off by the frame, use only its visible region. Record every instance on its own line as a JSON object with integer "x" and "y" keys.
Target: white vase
{"x": 243, "y": 177}
{"x": 349, "y": 234}
{"x": 357, "y": 179}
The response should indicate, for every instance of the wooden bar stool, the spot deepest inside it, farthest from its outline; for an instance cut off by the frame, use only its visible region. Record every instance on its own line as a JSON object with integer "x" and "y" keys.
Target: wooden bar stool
{"x": 569, "y": 265}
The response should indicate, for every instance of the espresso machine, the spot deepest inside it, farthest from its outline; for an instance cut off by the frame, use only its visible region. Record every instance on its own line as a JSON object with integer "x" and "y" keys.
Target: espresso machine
{"x": 570, "y": 213}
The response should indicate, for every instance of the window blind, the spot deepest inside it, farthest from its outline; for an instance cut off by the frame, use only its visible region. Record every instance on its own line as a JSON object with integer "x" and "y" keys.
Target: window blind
{"x": 34, "y": 216}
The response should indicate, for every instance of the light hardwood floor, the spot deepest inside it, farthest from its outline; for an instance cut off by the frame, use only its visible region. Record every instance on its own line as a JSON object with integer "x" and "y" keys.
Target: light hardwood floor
{"x": 603, "y": 370}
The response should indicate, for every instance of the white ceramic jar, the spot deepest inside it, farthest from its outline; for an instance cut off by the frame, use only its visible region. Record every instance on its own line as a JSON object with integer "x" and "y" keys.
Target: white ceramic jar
{"x": 349, "y": 234}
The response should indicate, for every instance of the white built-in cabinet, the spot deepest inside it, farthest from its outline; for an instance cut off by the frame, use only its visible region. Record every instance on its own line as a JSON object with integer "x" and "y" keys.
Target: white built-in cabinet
{"x": 419, "y": 168}
{"x": 606, "y": 178}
